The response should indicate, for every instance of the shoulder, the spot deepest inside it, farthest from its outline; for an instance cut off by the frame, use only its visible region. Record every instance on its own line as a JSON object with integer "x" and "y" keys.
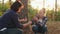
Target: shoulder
{"x": 10, "y": 13}
{"x": 45, "y": 18}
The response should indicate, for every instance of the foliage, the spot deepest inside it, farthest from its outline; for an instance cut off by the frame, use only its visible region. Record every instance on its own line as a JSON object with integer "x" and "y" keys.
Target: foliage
{"x": 50, "y": 14}
{"x": 4, "y": 7}
{"x": 32, "y": 12}
{"x": 57, "y": 18}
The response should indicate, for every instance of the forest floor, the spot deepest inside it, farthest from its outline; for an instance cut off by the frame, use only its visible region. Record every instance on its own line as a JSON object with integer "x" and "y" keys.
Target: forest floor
{"x": 53, "y": 27}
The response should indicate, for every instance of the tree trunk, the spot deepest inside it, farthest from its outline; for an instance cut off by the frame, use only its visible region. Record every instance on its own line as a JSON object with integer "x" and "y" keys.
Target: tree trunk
{"x": 43, "y": 3}
{"x": 55, "y": 14}
{"x": 55, "y": 5}
{"x": 3, "y": 5}
{"x": 24, "y": 12}
{"x": 10, "y": 2}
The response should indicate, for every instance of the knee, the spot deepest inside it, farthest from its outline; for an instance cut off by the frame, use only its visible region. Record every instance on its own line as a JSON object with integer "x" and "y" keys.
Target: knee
{"x": 35, "y": 28}
{"x": 44, "y": 29}
{"x": 19, "y": 31}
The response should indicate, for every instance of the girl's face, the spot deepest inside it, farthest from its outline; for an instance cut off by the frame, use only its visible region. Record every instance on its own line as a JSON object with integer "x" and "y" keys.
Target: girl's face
{"x": 41, "y": 13}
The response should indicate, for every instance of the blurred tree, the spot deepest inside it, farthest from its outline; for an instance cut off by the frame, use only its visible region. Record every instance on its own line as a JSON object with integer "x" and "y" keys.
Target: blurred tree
{"x": 32, "y": 12}
{"x": 50, "y": 14}
{"x": 3, "y": 5}
{"x": 55, "y": 5}
{"x": 10, "y": 2}
{"x": 55, "y": 14}
{"x": 43, "y": 3}
{"x": 24, "y": 12}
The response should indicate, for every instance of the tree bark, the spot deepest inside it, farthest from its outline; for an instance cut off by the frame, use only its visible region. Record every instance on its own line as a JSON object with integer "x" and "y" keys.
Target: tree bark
{"x": 24, "y": 12}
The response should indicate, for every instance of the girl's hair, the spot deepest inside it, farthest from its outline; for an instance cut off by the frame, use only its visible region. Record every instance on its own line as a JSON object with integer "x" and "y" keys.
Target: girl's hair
{"x": 43, "y": 9}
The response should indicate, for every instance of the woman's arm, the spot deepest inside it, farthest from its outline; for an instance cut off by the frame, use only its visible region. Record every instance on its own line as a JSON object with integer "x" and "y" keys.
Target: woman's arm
{"x": 19, "y": 25}
{"x": 27, "y": 24}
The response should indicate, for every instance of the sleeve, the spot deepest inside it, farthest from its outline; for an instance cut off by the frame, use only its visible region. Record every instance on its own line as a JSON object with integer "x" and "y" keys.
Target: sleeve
{"x": 15, "y": 20}
{"x": 45, "y": 20}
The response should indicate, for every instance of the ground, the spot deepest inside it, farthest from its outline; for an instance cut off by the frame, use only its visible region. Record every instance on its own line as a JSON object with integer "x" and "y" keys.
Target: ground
{"x": 53, "y": 27}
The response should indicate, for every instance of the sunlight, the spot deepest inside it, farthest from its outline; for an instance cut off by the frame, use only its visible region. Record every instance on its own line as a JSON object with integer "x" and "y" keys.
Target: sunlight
{"x": 6, "y": 1}
{"x": 50, "y": 4}
{"x": 38, "y": 4}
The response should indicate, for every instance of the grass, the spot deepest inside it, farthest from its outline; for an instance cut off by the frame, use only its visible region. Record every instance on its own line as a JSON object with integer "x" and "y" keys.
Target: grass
{"x": 53, "y": 27}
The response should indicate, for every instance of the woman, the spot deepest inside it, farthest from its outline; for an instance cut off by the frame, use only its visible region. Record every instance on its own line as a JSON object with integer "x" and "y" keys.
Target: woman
{"x": 10, "y": 22}
{"x": 41, "y": 20}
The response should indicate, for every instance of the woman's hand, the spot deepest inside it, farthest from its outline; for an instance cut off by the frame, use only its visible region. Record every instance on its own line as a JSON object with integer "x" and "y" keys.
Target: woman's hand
{"x": 30, "y": 22}
{"x": 27, "y": 24}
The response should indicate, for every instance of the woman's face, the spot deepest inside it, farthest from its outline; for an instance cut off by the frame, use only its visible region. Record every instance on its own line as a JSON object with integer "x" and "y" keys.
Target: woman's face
{"x": 20, "y": 8}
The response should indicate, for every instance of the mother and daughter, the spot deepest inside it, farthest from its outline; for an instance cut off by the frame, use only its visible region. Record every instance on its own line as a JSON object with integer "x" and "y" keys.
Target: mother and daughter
{"x": 10, "y": 22}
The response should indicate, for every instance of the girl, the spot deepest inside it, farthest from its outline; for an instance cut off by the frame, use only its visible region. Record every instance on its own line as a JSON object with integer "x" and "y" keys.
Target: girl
{"x": 40, "y": 25}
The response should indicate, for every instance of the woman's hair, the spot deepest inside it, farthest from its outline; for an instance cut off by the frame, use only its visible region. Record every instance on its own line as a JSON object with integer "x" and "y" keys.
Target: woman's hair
{"x": 15, "y": 6}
